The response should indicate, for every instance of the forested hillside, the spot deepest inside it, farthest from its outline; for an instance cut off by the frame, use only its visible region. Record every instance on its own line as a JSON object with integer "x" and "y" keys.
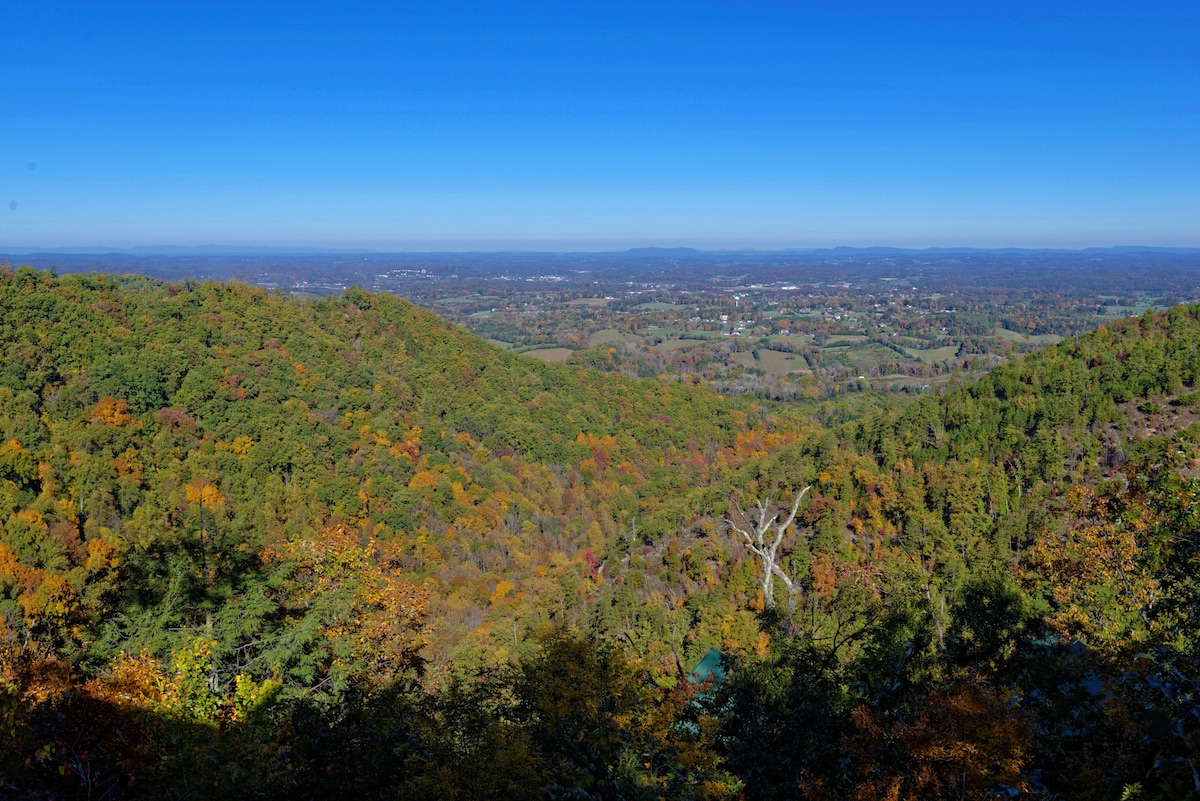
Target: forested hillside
{"x": 266, "y": 547}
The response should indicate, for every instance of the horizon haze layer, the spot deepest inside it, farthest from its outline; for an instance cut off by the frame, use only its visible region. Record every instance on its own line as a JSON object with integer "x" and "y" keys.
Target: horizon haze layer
{"x": 653, "y": 250}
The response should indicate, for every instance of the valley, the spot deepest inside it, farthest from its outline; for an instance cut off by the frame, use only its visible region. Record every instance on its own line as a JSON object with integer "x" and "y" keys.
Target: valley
{"x": 237, "y": 519}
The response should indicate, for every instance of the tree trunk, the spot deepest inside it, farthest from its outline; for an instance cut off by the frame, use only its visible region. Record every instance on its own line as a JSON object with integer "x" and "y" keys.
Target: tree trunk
{"x": 756, "y": 533}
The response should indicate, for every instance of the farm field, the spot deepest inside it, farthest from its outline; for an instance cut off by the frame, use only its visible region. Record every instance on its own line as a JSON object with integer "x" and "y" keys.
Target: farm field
{"x": 611, "y": 336}
{"x": 1039, "y": 339}
{"x": 839, "y": 339}
{"x": 774, "y": 362}
{"x": 931, "y": 355}
{"x": 558, "y": 355}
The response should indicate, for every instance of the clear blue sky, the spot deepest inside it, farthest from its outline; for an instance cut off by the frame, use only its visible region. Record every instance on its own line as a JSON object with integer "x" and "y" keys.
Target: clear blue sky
{"x": 600, "y": 125}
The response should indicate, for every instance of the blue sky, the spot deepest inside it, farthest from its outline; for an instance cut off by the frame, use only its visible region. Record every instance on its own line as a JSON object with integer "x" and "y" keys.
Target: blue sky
{"x": 600, "y": 125}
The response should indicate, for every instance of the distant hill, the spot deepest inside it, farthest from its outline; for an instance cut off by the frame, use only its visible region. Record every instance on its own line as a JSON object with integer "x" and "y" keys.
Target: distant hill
{"x": 364, "y": 412}
{"x": 640, "y": 252}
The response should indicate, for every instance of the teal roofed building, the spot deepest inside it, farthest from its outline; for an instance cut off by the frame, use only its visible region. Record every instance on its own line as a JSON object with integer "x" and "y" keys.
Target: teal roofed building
{"x": 709, "y": 669}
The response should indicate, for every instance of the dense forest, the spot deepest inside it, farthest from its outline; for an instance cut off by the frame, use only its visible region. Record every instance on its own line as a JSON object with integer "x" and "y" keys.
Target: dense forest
{"x": 256, "y": 546}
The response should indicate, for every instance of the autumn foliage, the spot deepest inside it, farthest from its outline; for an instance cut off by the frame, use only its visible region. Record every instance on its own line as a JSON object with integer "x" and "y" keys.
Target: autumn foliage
{"x": 276, "y": 547}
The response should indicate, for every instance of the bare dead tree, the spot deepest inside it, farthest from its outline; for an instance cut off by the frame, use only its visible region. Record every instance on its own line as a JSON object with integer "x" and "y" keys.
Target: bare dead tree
{"x": 762, "y": 532}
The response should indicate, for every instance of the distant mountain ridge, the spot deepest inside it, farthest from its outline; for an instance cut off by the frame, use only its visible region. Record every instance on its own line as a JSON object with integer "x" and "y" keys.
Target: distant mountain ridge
{"x": 640, "y": 252}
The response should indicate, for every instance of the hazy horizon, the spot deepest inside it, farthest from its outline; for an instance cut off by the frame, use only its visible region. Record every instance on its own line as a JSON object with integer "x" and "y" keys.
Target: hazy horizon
{"x": 536, "y": 248}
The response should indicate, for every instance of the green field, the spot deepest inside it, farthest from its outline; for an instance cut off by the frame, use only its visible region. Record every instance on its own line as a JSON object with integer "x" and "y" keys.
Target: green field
{"x": 931, "y": 355}
{"x": 863, "y": 358}
{"x": 791, "y": 339}
{"x": 775, "y": 362}
{"x": 549, "y": 354}
{"x": 611, "y": 336}
{"x": 844, "y": 339}
{"x": 1041, "y": 339}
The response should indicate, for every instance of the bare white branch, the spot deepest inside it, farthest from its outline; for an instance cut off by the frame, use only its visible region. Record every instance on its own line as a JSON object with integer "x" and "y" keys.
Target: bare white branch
{"x": 754, "y": 533}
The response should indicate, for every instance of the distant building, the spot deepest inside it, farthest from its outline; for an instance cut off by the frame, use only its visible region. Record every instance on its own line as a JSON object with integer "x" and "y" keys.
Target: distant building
{"x": 709, "y": 669}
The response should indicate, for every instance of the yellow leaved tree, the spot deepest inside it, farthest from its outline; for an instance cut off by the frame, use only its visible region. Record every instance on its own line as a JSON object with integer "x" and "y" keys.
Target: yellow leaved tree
{"x": 348, "y": 590}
